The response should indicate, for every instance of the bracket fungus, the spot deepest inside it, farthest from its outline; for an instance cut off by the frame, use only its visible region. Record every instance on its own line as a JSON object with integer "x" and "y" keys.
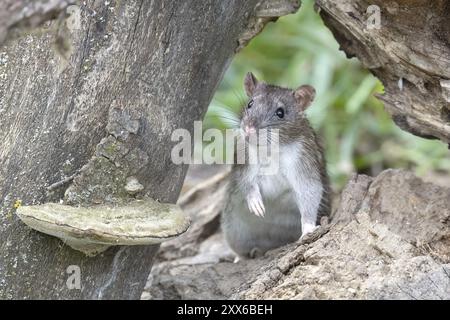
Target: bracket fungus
{"x": 92, "y": 230}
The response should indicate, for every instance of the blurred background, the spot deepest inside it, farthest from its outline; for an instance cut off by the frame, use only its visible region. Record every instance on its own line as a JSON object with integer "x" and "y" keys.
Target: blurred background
{"x": 358, "y": 134}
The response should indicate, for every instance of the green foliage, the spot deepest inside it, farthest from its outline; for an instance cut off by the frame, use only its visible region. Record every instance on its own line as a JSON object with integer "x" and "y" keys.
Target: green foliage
{"x": 358, "y": 134}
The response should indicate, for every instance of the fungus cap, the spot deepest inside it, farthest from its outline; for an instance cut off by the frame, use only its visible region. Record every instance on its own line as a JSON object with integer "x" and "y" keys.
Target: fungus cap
{"x": 93, "y": 229}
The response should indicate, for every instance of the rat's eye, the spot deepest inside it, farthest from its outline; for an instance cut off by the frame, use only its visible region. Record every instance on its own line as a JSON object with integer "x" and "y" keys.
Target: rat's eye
{"x": 280, "y": 113}
{"x": 250, "y": 104}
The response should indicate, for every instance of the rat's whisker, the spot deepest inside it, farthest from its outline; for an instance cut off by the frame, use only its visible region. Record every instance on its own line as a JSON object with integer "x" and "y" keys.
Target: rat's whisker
{"x": 241, "y": 100}
{"x": 226, "y": 118}
{"x": 221, "y": 108}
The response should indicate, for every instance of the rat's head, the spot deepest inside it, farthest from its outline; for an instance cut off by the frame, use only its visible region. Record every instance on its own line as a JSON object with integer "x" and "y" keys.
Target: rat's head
{"x": 271, "y": 107}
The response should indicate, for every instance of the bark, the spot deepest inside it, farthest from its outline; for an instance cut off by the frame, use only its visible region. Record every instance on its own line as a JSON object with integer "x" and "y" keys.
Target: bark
{"x": 409, "y": 53}
{"x": 80, "y": 120}
{"x": 16, "y": 15}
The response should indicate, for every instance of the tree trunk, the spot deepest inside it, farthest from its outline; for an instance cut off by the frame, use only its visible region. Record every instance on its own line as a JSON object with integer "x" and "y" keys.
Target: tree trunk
{"x": 77, "y": 121}
{"x": 409, "y": 51}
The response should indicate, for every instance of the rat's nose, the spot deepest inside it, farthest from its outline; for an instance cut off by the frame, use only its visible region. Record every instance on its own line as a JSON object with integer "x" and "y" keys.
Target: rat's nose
{"x": 249, "y": 129}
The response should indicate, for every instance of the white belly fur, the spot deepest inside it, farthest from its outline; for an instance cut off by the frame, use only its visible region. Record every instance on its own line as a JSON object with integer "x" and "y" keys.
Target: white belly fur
{"x": 281, "y": 224}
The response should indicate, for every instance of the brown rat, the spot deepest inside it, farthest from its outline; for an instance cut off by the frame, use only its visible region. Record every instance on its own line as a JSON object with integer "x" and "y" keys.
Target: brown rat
{"x": 265, "y": 211}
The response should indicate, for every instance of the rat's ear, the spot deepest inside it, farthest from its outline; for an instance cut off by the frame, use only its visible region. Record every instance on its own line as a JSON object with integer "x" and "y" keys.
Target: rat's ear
{"x": 304, "y": 95}
{"x": 250, "y": 83}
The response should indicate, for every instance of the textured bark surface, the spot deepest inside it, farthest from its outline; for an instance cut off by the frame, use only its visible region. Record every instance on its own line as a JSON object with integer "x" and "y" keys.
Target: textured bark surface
{"x": 96, "y": 111}
{"x": 16, "y": 15}
{"x": 409, "y": 53}
{"x": 389, "y": 239}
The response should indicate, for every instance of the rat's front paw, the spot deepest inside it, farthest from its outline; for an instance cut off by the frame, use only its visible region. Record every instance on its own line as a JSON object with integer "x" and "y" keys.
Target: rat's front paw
{"x": 308, "y": 228}
{"x": 255, "y": 204}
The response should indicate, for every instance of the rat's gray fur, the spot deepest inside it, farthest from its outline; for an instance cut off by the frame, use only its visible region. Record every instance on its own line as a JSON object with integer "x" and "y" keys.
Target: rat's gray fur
{"x": 301, "y": 184}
